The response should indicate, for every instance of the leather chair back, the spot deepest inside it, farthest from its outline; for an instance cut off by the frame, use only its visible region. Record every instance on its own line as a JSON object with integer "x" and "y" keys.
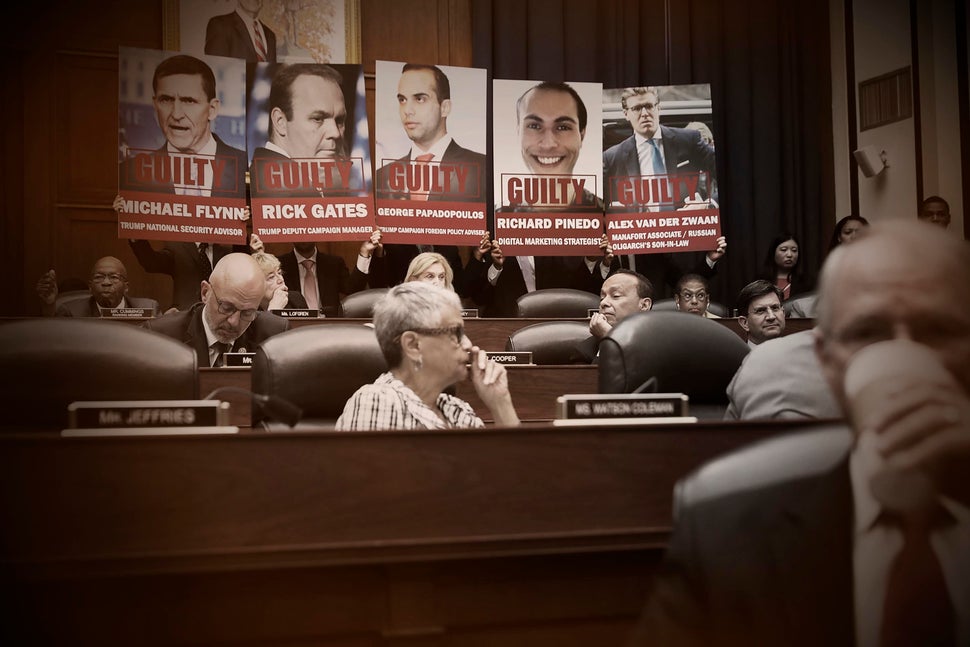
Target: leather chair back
{"x": 555, "y": 303}
{"x": 360, "y": 305}
{"x": 52, "y": 362}
{"x": 790, "y": 456}
{"x": 685, "y": 353}
{"x": 317, "y": 368}
{"x": 551, "y": 342}
{"x": 71, "y": 295}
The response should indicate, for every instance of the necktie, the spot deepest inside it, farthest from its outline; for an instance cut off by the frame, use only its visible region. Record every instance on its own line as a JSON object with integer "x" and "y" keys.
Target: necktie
{"x": 310, "y": 284}
{"x": 658, "y": 160}
{"x": 917, "y": 608}
{"x": 260, "y": 46}
{"x": 221, "y": 349}
{"x": 423, "y": 167}
{"x": 204, "y": 260}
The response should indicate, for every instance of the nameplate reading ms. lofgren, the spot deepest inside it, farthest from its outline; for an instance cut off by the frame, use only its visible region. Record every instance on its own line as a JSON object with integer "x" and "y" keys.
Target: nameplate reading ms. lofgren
{"x": 298, "y": 313}
{"x": 621, "y": 405}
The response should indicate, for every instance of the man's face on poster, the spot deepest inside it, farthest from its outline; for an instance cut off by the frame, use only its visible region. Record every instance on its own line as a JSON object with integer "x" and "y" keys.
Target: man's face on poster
{"x": 549, "y": 132}
{"x": 184, "y": 112}
{"x": 319, "y": 119}
{"x": 643, "y": 113}
{"x": 422, "y": 115}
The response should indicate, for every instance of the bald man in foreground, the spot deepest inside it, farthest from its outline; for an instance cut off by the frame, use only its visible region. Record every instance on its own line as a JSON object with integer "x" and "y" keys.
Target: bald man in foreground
{"x": 823, "y": 559}
{"x": 227, "y": 319}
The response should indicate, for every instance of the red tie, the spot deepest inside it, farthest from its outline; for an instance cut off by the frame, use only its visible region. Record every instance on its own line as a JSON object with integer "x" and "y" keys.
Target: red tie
{"x": 260, "y": 46}
{"x": 421, "y": 166}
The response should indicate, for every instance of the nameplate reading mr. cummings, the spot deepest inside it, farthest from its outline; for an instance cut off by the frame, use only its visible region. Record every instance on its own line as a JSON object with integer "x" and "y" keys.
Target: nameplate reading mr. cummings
{"x": 147, "y": 413}
{"x": 510, "y": 356}
{"x": 621, "y": 405}
{"x": 126, "y": 313}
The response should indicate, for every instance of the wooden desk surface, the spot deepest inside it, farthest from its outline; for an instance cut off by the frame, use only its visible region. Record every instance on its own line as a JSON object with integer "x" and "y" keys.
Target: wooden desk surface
{"x": 539, "y": 535}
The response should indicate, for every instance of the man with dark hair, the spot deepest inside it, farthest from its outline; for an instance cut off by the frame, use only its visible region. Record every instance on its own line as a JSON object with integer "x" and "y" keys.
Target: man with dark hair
{"x": 936, "y": 211}
{"x": 760, "y": 313}
{"x": 240, "y": 34}
{"x": 424, "y": 104}
{"x": 551, "y": 125}
{"x": 693, "y": 295}
{"x": 624, "y": 293}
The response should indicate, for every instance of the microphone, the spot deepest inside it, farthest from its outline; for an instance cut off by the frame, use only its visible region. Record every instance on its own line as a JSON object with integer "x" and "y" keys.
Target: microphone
{"x": 273, "y": 406}
{"x": 650, "y": 386}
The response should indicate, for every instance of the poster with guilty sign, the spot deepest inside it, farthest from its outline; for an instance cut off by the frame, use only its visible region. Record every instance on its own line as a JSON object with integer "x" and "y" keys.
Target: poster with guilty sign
{"x": 547, "y": 147}
{"x": 181, "y": 147}
{"x": 430, "y": 151}
{"x": 660, "y": 171}
{"x": 310, "y": 175}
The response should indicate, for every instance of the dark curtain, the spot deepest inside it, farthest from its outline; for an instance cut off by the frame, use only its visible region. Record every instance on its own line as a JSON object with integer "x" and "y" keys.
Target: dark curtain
{"x": 768, "y": 65}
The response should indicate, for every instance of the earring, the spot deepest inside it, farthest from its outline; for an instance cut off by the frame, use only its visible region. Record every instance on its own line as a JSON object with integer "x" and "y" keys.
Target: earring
{"x": 418, "y": 363}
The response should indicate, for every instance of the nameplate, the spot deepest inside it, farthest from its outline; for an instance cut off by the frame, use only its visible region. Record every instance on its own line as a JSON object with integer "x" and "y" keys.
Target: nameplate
{"x": 238, "y": 359}
{"x": 621, "y": 405}
{"x": 126, "y": 313}
{"x": 591, "y": 311}
{"x": 298, "y": 313}
{"x": 510, "y": 356}
{"x": 469, "y": 313}
{"x": 147, "y": 431}
{"x": 147, "y": 414}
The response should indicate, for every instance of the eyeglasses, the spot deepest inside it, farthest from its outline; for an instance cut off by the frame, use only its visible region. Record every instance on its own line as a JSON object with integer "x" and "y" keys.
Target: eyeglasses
{"x": 687, "y": 295}
{"x": 229, "y": 310}
{"x": 642, "y": 106}
{"x": 114, "y": 278}
{"x": 458, "y": 332}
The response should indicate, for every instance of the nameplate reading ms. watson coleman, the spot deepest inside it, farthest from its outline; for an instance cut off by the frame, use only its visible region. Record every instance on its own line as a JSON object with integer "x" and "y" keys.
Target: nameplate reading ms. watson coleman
{"x": 621, "y": 405}
{"x": 147, "y": 413}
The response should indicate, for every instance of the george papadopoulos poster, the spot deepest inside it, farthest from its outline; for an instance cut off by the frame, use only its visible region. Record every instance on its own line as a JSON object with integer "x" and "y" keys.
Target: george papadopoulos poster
{"x": 181, "y": 146}
{"x": 659, "y": 169}
{"x": 430, "y": 142}
{"x": 310, "y": 177}
{"x": 548, "y": 176}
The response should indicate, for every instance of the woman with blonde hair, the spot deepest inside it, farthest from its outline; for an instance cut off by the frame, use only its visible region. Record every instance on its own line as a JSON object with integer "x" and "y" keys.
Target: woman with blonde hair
{"x": 277, "y": 295}
{"x": 433, "y": 268}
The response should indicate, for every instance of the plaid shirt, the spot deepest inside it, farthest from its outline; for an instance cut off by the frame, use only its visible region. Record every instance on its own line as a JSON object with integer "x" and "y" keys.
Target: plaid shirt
{"x": 390, "y": 404}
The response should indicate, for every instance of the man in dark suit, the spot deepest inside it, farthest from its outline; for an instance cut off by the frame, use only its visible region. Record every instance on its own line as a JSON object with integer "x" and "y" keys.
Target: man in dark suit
{"x": 654, "y": 149}
{"x": 193, "y": 160}
{"x": 241, "y": 34}
{"x": 228, "y": 317}
{"x": 108, "y": 285}
{"x": 187, "y": 263}
{"x": 307, "y": 120}
{"x": 330, "y": 280}
{"x": 820, "y": 559}
{"x": 424, "y": 103}
{"x": 624, "y": 293}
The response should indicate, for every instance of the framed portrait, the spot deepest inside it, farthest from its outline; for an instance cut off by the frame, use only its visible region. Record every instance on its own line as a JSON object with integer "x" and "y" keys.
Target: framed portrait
{"x": 321, "y": 31}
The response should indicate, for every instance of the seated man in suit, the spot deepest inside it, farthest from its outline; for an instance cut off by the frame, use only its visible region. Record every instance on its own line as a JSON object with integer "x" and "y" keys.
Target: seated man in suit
{"x": 228, "y": 317}
{"x": 622, "y": 295}
{"x": 876, "y": 549}
{"x": 109, "y": 289}
{"x": 760, "y": 313}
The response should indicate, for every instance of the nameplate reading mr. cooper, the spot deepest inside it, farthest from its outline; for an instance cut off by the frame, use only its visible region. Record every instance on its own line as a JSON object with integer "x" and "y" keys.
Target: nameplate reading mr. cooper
{"x": 510, "y": 356}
